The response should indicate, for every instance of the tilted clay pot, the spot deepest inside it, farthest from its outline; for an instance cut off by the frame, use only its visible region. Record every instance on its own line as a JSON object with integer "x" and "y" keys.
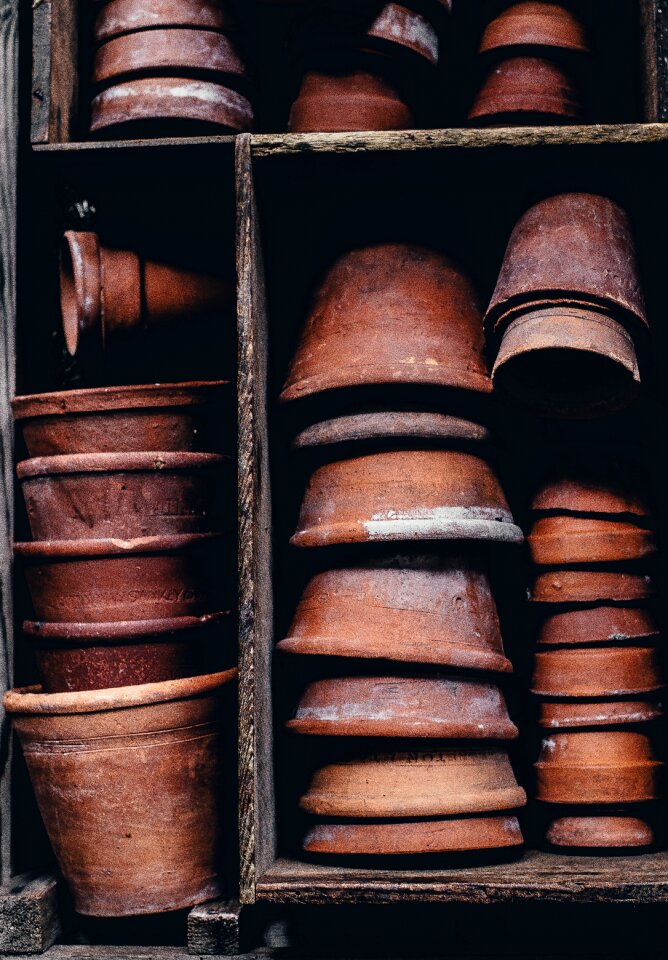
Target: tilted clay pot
{"x": 106, "y": 292}
{"x": 93, "y": 756}
{"x": 596, "y": 672}
{"x": 597, "y": 766}
{"x": 602, "y": 624}
{"x": 527, "y": 90}
{"x": 347, "y": 101}
{"x": 571, "y": 714}
{"x": 386, "y": 314}
{"x": 454, "y": 835}
{"x": 92, "y": 656}
{"x": 397, "y": 25}
{"x": 404, "y": 495}
{"x": 590, "y": 586}
{"x": 389, "y": 425}
{"x": 559, "y": 541}
{"x": 170, "y": 417}
{"x": 535, "y": 25}
{"x": 419, "y": 784}
{"x": 593, "y": 482}
{"x": 95, "y": 581}
{"x": 613, "y": 831}
{"x": 117, "y": 17}
{"x": 438, "y": 609}
{"x": 395, "y": 706}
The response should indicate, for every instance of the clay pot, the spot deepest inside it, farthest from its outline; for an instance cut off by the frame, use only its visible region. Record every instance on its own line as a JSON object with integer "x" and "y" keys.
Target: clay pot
{"x": 527, "y": 90}
{"x": 123, "y": 495}
{"x": 596, "y": 672}
{"x": 106, "y": 292}
{"x": 168, "y": 417}
{"x": 613, "y": 832}
{"x": 348, "y": 101}
{"x": 391, "y": 314}
{"x": 590, "y": 586}
{"x": 594, "y": 482}
{"x": 597, "y": 766}
{"x": 559, "y": 541}
{"x": 120, "y": 854}
{"x": 535, "y": 25}
{"x": 395, "y": 706}
{"x": 170, "y": 99}
{"x": 389, "y": 425}
{"x": 419, "y": 784}
{"x": 571, "y": 714}
{"x": 92, "y": 656}
{"x": 95, "y": 581}
{"x": 602, "y": 624}
{"x": 437, "y": 609}
{"x": 117, "y": 17}
{"x": 397, "y": 25}
{"x": 454, "y": 835}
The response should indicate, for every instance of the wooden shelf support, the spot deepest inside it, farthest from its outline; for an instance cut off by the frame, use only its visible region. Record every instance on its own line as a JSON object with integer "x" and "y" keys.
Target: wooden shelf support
{"x": 29, "y": 919}
{"x": 213, "y": 928}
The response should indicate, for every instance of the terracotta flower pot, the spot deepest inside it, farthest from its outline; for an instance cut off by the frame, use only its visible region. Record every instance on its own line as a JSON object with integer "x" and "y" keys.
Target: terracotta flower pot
{"x": 391, "y": 314}
{"x": 107, "y": 292}
{"x": 597, "y": 766}
{"x": 602, "y": 624}
{"x": 124, "y": 851}
{"x": 527, "y": 90}
{"x": 613, "y": 832}
{"x": 92, "y": 656}
{"x": 590, "y": 586}
{"x": 560, "y": 541}
{"x": 593, "y": 482}
{"x": 117, "y": 17}
{"x": 454, "y": 835}
{"x": 395, "y": 706}
{"x": 167, "y": 417}
{"x": 397, "y": 25}
{"x": 96, "y": 581}
{"x": 390, "y": 425}
{"x": 404, "y": 495}
{"x": 351, "y": 100}
{"x": 535, "y": 25}
{"x": 596, "y": 672}
{"x": 436, "y": 609}
{"x": 419, "y": 784}
{"x": 571, "y": 714}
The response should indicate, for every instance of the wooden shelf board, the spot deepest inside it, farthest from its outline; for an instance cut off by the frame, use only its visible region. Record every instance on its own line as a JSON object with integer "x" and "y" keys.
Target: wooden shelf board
{"x": 102, "y": 146}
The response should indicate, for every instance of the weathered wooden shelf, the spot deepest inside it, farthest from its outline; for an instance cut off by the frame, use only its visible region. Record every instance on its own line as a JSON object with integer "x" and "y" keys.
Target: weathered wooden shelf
{"x": 158, "y": 143}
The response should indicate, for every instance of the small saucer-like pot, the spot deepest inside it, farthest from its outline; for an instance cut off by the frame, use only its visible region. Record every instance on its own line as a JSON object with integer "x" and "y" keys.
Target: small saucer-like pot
{"x": 424, "y": 784}
{"x": 590, "y": 586}
{"x": 94, "y": 656}
{"x": 96, "y": 581}
{"x": 395, "y": 706}
{"x": 404, "y": 495}
{"x": 571, "y": 714}
{"x": 596, "y": 672}
{"x": 535, "y": 25}
{"x": 348, "y": 101}
{"x": 597, "y": 766}
{"x": 560, "y": 541}
{"x": 117, "y": 17}
{"x": 135, "y": 826}
{"x": 602, "y": 624}
{"x": 593, "y": 482}
{"x": 454, "y": 835}
{"x": 527, "y": 90}
{"x": 422, "y": 610}
{"x": 168, "y": 417}
{"x": 613, "y": 831}
{"x": 391, "y": 314}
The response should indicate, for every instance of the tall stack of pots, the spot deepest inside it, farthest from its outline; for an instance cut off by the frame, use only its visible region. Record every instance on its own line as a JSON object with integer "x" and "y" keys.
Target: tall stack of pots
{"x": 131, "y": 576}
{"x": 402, "y": 502}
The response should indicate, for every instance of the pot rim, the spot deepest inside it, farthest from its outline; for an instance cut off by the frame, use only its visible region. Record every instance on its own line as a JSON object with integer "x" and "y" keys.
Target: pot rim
{"x": 498, "y": 528}
{"x": 144, "y": 461}
{"x": 121, "y": 630}
{"x": 416, "y": 424}
{"x": 37, "y": 550}
{"x": 419, "y": 374}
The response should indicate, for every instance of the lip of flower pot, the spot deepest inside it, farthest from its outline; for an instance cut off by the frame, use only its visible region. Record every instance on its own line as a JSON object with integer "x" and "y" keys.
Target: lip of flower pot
{"x": 387, "y": 425}
{"x": 573, "y": 714}
{"x": 603, "y": 623}
{"x": 42, "y": 632}
{"x": 535, "y": 25}
{"x": 563, "y": 540}
{"x": 596, "y": 672}
{"x": 590, "y": 586}
{"x": 117, "y": 17}
{"x": 80, "y": 287}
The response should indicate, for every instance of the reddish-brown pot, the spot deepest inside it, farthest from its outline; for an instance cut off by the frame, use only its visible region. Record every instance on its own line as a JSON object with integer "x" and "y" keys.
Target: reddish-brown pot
{"x": 571, "y": 714}
{"x": 590, "y": 586}
{"x": 560, "y": 541}
{"x": 126, "y": 495}
{"x": 535, "y": 25}
{"x": 593, "y": 481}
{"x": 135, "y": 826}
{"x": 385, "y": 425}
{"x": 525, "y": 90}
{"x": 170, "y": 417}
{"x": 93, "y": 656}
{"x": 601, "y": 624}
{"x": 596, "y": 672}
{"x": 95, "y": 581}
{"x": 395, "y": 706}
{"x": 391, "y": 314}
{"x": 346, "y": 101}
{"x": 397, "y": 25}
{"x": 117, "y": 17}
{"x": 613, "y": 831}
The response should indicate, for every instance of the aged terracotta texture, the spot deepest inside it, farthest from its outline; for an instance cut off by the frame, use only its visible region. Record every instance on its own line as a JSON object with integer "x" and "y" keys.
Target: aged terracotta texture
{"x": 535, "y": 25}
{"x": 569, "y": 714}
{"x": 596, "y": 672}
{"x": 348, "y": 100}
{"x": 399, "y": 25}
{"x": 387, "y": 425}
{"x": 563, "y": 540}
{"x": 612, "y": 831}
{"x": 117, "y": 17}
{"x": 525, "y": 89}
{"x": 600, "y": 624}
{"x": 593, "y": 481}
{"x": 121, "y": 851}
{"x": 590, "y": 586}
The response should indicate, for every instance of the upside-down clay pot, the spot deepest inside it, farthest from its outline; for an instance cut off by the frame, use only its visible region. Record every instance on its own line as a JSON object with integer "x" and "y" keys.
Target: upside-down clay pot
{"x": 600, "y": 624}
{"x": 597, "y": 766}
{"x": 419, "y": 784}
{"x": 436, "y": 609}
{"x": 128, "y": 782}
{"x": 387, "y": 425}
{"x": 527, "y": 90}
{"x": 571, "y": 714}
{"x": 590, "y": 586}
{"x": 92, "y": 656}
{"x": 535, "y": 25}
{"x": 395, "y": 706}
{"x": 117, "y": 17}
{"x": 560, "y": 541}
{"x": 348, "y": 100}
{"x": 397, "y": 25}
{"x": 175, "y": 417}
{"x": 596, "y": 672}
{"x": 391, "y": 314}
{"x": 593, "y": 482}
{"x": 614, "y": 831}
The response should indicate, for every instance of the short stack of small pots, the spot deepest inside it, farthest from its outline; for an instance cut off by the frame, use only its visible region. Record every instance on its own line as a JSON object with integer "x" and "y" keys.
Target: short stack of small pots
{"x": 403, "y": 503}
{"x": 176, "y": 62}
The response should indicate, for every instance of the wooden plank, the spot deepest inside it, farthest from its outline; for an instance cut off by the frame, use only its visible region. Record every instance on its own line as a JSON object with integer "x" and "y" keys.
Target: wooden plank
{"x": 213, "y": 928}
{"x": 55, "y": 79}
{"x": 133, "y": 146}
{"x": 654, "y": 59}
{"x": 29, "y": 921}
{"x": 103, "y": 952}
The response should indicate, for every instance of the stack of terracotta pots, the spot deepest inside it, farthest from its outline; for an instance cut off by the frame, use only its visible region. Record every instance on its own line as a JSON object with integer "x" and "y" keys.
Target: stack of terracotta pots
{"x": 130, "y": 574}
{"x": 597, "y": 671}
{"x": 408, "y": 499}
{"x": 171, "y": 62}
{"x": 533, "y": 56}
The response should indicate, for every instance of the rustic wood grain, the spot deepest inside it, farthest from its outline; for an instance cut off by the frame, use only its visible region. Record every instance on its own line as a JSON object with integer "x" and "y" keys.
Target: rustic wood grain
{"x": 28, "y": 915}
{"x": 213, "y": 928}
{"x": 102, "y": 952}
{"x": 654, "y": 58}
{"x": 55, "y": 74}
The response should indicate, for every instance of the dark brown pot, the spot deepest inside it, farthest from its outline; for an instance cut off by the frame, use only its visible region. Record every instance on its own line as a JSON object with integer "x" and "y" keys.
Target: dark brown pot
{"x": 590, "y": 586}
{"x": 602, "y": 624}
{"x": 167, "y": 417}
{"x": 535, "y": 25}
{"x": 95, "y": 581}
{"x": 571, "y": 714}
{"x": 600, "y": 832}
{"x": 117, "y": 17}
{"x": 93, "y": 656}
{"x": 596, "y": 482}
{"x": 339, "y": 102}
{"x": 565, "y": 540}
{"x": 527, "y": 90}
{"x": 135, "y": 826}
{"x": 596, "y": 672}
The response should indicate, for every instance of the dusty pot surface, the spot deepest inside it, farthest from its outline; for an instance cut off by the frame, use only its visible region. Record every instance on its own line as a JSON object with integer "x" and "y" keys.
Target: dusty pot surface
{"x": 590, "y": 586}
{"x": 119, "y": 854}
{"x": 95, "y": 581}
{"x": 535, "y": 25}
{"x": 398, "y": 25}
{"x": 170, "y": 417}
{"x": 602, "y": 624}
{"x": 419, "y": 784}
{"x": 414, "y": 837}
{"x": 596, "y": 672}
{"x": 527, "y": 90}
{"x": 593, "y": 482}
{"x": 404, "y": 495}
{"x": 124, "y": 16}
{"x": 571, "y": 714}
{"x": 614, "y": 831}
{"x": 395, "y": 706}
{"x": 388, "y": 425}
{"x": 422, "y": 610}
{"x": 126, "y": 495}
{"x": 94, "y": 656}
{"x": 339, "y": 102}
{"x": 559, "y": 541}
{"x": 392, "y": 313}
